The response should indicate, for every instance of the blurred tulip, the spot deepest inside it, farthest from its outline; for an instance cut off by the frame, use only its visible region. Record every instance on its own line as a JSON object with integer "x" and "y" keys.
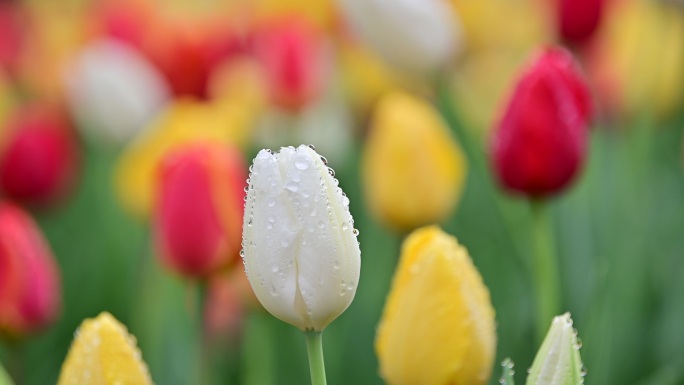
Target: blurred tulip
{"x": 413, "y": 168}
{"x": 539, "y": 144}
{"x": 13, "y": 27}
{"x": 38, "y": 159}
{"x": 113, "y": 91}
{"x": 416, "y": 36}
{"x": 578, "y": 19}
{"x": 637, "y": 61}
{"x": 290, "y": 52}
{"x": 498, "y": 35}
{"x": 199, "y": 238}
{"x": 103, "y": 353}
{"x": 438, "y": 326}
{"x": 183, "y": 122}
{"x": 30, "y": 294}
{"x": 300, "y": 250}
{"x": 321, "y": 13}
{"x": 229, "y": 297}
{"x": 558, "y": 360}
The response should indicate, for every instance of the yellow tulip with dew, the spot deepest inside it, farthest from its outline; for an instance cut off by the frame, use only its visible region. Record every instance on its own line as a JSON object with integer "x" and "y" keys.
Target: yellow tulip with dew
{"x": 438, "y": 326}
{"x": 103, "y": 353}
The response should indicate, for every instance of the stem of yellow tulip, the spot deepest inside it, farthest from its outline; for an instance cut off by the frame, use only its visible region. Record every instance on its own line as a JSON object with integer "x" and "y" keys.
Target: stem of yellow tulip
{"x": 314, "y": 347}
{"x": 545, "y": 269}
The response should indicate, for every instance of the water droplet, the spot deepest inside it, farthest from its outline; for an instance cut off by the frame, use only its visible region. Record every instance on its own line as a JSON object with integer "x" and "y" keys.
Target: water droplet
{"x": 336, "y": 264}
{"x": 311, "y": 146}
{"x": 271, "y": 202}
{"x": 269, "y": 226}
{"x": 275, "y": 268}
{"x": 296, "y": 177}
{"x": 345, "y": 226}
{"x": 579, "y": 343}
{"x": 312, "y": 212}
{"x": 306, "y": 193}
{"x": 355, "y": 232}
{"x": 345, "y": 201}
{"x": 331, "y": 172}
{"x": 249, "y": 223}
{"x": 292, "y": 186}
{"x": 325, "y": 161}
{"x": 321, "y": 224}
{"x": 302, "y": 162}
{"x": 246, "y": 189}
{"x": 271, "y": 219}
{"x": 242, "y": 253}
{"x": 284, "y": 242}
{"x": 273, "y": 291}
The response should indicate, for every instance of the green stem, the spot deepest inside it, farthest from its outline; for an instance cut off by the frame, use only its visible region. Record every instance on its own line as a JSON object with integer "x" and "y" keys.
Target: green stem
{"x": 196, "y": 295}
{"x": 545, "y": 269}
{"x": 314, "y": 347}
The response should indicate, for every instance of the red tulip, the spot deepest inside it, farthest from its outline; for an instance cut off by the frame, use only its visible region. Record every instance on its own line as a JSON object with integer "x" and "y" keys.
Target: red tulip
{"x": 200, "y": 204}
{"x": 539, "y": 144}
{"x": 578, "y": 19}
{"x": 29, "y": 278}
{"x": 290, "y": 53}
{"x": 38, "y": 158}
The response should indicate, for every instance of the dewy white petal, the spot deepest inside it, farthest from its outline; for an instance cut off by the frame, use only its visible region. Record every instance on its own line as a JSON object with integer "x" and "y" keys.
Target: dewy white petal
{"x": 558, "y": 361}
{"x": 419, "y": 36}
{"x": 300, "y": 249}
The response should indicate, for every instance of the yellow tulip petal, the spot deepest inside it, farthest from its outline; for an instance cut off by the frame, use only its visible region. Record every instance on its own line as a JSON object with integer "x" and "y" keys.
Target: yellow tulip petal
{"x": 413, "y": 168}
{"x": 103, "y": 353}
{"x": 186, "y": 121}
{"x": 438, "y": 323}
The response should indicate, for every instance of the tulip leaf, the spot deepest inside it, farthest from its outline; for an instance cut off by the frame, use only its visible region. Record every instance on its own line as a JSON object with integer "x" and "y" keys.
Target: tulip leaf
{"x": 507, "y": 372}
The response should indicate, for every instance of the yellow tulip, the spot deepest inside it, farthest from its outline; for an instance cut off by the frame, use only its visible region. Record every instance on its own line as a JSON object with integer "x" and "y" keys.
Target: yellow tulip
{"x": 413, "y": 168}
{"x": 103, "y": 353}
{"x": 499, "y": 36}
{"x": 438, "y": 326}
{"x": 186, "y": 121}
{"x": 639, "y": 60}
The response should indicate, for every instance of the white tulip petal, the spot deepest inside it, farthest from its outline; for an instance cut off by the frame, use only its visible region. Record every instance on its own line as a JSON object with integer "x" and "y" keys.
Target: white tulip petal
{"x": 300, "y": 249}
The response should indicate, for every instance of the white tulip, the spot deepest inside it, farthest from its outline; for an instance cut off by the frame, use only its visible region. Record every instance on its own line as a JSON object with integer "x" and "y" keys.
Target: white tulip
{"x": 418, "y": 36}
{"x": 300, "y": 250}
{"x": 113, "y": 91}
{"x": 558, "y": 360}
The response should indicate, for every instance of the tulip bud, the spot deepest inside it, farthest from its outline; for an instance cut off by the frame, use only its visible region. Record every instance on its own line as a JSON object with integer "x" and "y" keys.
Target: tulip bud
{"x": 416, "y": 36}
{"x": 290, "y": 53}
{"x": 103, "y": 353}
{"x": 29, "y": 279}
{"x": 437, "y": 327}
{"x": 200, "y": 208}
{"x": 540, "y": 142}
{"x": 4, "y": 377}
{"x": 300, "y": 250}
{"x": 39, "y": 157}
{"x": 413, "y": 168}
{"x": 114, "y": 92}
{"x": 578, "y": 19}
{"x": 558, "y": 360}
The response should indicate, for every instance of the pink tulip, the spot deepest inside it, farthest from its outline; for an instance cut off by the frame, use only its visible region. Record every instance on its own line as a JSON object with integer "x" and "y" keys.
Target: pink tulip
{"x": 30, "y": 294}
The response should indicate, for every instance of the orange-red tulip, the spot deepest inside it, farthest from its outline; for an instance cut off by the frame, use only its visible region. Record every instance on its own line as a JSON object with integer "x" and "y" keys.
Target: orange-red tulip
{"x": 200, "y": 205}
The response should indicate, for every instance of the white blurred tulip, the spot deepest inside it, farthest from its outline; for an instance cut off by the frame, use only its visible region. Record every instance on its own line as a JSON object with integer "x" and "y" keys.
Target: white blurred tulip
{"x": 113, "y": 91}
{"x": 300, "y": 250}
{"x": 416, "y": 36}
